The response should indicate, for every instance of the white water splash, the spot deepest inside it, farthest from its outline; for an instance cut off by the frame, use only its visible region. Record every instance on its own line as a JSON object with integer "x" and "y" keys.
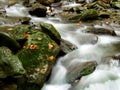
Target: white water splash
{"x": 3, "y": 0}
{"x": 58, "y": 75}
{"x": 110, "y": 85}
{"x": 108, "y": 39}
{"x": 17, "y": 10}
{"x": 56, "y": 87}
{"x": 103, "y": 74}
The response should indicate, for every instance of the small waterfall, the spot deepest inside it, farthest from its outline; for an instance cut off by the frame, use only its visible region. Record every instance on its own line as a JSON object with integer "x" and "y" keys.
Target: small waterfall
{"x": 56, "y": 87}
{"x": 58, "y": 75}
{"x": 58, "y": 78}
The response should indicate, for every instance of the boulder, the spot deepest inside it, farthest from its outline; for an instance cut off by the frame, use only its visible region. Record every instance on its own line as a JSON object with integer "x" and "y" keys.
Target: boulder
{"x": 80, "y": 69}
{"x": 8, "y": 41}
{"x": 100, "y": 31}
{"x": 50, "y": 30}
{"x": 66, "y": 46}
{"x": 38, "y": 10}
{"x": 22, "y": 32}
{"x": 10, "y": 65}
{"x": 38, "y": 56}
{"x": 86, "y": 14}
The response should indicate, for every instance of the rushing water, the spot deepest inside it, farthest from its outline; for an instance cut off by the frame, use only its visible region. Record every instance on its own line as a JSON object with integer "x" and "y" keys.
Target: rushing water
{"x": 90, "y": 48}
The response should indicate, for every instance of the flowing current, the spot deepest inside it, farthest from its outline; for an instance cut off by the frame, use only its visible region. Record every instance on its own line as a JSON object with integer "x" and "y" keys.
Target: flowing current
{"x": 89, "y": 48}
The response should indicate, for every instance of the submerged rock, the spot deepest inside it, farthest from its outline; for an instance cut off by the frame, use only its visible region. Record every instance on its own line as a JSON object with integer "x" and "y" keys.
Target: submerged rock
{"x": 66, "y": 46}
{"x": 50, "y": 30}
{"x": 75, "y": 72}
{"x": 38, "y": 10}
{"x": 87, "y": 39}
{"x": 38, "y": 56}
{"x": 100, "y": 31}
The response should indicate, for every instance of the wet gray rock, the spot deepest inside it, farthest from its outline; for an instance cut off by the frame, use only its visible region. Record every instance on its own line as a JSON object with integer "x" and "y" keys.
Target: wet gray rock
{"x": 75, "y": 72}
{"x": 86, "y": 39}
{"x": 100, "y": 31}
{"x": 38, "y": 10}
{"x": 66, "y": 46}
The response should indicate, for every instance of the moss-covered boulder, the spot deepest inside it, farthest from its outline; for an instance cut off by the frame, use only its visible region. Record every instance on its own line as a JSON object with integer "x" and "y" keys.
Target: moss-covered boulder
{"x": 22, "y": 32}
{"x": 9, "y": 41}
{"x": 50, "y": 30}
{"x": 37, "y": 57}
{"x": 79, "y": 70}
{"x": 10, "y": 65}
{"x": 85, "y": 15}
{"x": 38, "y": 10}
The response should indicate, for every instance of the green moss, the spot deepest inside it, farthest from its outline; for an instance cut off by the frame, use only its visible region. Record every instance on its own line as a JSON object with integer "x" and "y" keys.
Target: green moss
{"x": 9, "y": 41}
{"x": 77, "y": 72}
{"x": 9, "y": 63}
{"x": 85, "y": 15}
{"x": 50, "y": 30}
{"x": 38, "y": 56}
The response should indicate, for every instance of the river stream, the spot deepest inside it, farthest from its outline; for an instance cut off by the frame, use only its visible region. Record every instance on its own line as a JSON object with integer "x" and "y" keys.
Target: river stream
{"x": 89, "y": 48}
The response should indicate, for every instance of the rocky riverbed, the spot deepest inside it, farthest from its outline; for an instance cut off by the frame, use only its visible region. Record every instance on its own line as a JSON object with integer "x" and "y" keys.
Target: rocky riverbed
{"x": 59, "y": 44}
